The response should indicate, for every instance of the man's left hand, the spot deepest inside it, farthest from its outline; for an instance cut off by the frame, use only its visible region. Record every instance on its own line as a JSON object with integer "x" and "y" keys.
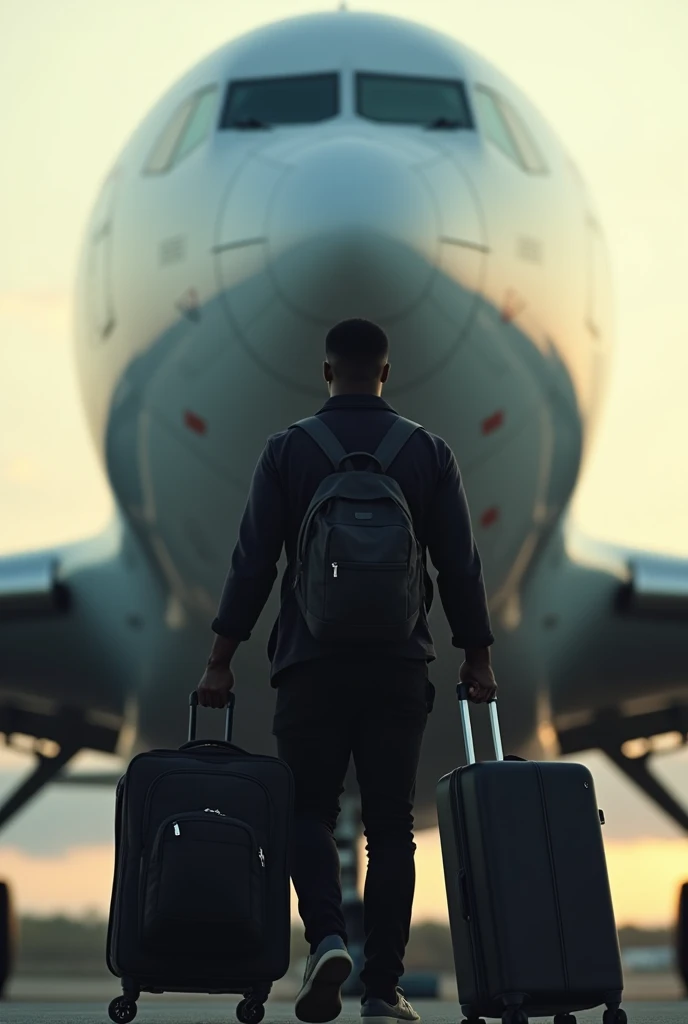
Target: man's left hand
{"x": 215, "y": 687}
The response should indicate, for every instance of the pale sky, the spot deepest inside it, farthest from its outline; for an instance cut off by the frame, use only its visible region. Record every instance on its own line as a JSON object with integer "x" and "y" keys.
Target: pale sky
{"x": 75, "y": 79}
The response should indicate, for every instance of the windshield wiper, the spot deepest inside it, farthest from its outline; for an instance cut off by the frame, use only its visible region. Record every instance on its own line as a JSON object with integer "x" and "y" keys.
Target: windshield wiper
{"x": 248, "y": 122}
{"x": 444, "y": 122}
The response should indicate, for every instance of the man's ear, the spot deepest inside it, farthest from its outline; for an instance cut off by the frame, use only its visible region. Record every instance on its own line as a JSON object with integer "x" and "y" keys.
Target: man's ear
{"x": 327, "y": 373}
{"x": 385, "y": 373}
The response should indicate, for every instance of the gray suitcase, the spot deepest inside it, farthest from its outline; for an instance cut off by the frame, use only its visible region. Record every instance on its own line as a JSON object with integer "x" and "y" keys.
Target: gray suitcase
{"x": 530, "y": 907}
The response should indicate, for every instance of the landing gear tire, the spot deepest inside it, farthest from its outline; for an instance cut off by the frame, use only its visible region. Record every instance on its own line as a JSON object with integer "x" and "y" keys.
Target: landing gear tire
{"x": 122, "y": 1010}
{"x": 617, "y": 1016}
{"x": 7, "y": 936}
{"x": 682, "y": 936}
{"x": 250, "y": 1012}
{"x": 515, "y": 1015}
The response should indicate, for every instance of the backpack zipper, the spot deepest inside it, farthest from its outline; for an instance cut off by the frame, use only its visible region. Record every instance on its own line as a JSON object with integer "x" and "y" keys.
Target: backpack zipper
{"x": 385, "y": 566}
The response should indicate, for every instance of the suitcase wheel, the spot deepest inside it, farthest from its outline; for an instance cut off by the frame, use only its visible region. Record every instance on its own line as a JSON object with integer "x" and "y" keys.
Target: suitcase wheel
{"x": 250, "y": 1011}
{"x": 122, "y": 1010}
{"x": 614, "y": 1016}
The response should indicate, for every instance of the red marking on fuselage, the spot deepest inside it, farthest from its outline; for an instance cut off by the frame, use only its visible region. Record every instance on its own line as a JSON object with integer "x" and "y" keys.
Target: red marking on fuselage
{"x": 493, "y": 422}
{"x": 489, "y": 517}
{"x": 195, "y": 423}
{"x": 190, "y": 305}
{"x": 512, "y": 305}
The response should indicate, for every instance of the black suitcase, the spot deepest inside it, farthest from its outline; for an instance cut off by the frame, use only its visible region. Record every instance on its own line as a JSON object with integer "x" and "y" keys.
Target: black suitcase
{"x": 530, "y": 907}
{"x": 201, "y": 896}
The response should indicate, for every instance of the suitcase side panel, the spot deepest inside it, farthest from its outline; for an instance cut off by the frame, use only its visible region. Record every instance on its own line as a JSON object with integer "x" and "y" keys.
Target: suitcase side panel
{"x": 511, "y": 878}
{"x": 480, "y": 821}
{"x": 590, "y": 939}
{"x": 117, "y": 881}
{"x": 466, "y": 956}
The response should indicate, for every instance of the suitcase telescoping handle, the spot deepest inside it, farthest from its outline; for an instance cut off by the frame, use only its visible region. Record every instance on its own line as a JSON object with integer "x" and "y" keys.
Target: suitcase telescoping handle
{"x": 229, "y": 721}
{"x": 462, "y": 694}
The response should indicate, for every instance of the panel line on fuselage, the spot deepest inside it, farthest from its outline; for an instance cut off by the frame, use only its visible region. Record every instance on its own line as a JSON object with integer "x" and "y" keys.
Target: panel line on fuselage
{"x": 463, "y": 244}
{"x": 243, "y": 244}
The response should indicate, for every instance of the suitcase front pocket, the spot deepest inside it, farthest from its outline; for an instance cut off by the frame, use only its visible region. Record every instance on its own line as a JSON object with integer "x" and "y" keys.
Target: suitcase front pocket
{"x": 204, "y": 887}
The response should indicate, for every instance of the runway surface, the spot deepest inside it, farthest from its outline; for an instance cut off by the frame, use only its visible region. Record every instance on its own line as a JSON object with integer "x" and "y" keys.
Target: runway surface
{"x": 221, "y": 1011}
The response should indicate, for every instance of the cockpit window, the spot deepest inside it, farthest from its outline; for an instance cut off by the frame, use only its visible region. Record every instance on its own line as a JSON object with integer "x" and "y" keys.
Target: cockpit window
{"x": 188, "y": 127}
{"x": 505, "y": 129}
{"x": 199, "y": 125}
{"x": 263, "y": 102}
{"x": 400, "y": 99}
{"x": 160, "y": 159}
{"x": 530, "y": 155}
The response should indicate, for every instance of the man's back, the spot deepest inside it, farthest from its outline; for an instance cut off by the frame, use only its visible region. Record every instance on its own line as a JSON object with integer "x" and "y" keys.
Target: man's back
{"x": 359, "y": 422}
{"x": 288, "y": 474}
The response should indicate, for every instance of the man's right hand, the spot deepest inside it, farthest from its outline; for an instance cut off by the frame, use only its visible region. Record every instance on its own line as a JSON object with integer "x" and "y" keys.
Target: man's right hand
{"x": 479, "y": 678}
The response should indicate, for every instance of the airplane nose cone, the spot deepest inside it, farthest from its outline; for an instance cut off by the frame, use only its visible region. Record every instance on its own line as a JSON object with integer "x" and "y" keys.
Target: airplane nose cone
{"x": 384, "y": 227}
{"x": 353, "y": 231}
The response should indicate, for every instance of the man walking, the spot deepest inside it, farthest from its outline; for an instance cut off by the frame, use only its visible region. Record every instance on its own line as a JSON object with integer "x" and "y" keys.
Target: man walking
{"x": 351, "y": 646}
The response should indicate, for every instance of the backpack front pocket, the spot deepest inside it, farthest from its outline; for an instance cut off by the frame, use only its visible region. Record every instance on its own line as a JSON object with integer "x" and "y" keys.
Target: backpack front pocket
{"x": 367, "y": 592}
{"x": 204, "y": 886}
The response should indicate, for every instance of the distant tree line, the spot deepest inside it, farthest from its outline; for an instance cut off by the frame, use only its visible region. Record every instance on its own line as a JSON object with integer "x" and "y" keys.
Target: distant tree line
{"x": 53, "y": 946}
{"x": 76, "y": 946}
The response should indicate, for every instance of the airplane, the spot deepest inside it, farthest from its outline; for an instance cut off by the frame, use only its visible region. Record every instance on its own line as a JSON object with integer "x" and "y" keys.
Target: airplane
{"x": 326, "y": 166}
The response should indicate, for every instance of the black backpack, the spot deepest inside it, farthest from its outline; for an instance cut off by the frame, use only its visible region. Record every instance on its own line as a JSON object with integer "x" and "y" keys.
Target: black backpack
{"x": 359, "y": 564}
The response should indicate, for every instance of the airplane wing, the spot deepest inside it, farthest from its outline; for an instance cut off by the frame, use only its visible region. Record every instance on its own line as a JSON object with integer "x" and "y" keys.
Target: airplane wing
{"x": 74, "y": 624}
{"x": 614, "y": 633}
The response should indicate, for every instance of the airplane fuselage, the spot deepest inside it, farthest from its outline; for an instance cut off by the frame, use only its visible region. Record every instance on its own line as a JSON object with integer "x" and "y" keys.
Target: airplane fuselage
{"x": 206, "y": 289}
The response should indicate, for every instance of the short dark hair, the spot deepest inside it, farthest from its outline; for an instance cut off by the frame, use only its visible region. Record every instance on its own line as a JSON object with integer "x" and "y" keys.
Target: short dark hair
{"x": 357, "y": 350}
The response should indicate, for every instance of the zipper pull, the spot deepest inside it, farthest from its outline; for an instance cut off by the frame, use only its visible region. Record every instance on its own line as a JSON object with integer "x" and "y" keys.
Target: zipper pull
{"x": 177, "y": 831}
{"x": 335, "y": 567}
{"x": 261, "y": 856}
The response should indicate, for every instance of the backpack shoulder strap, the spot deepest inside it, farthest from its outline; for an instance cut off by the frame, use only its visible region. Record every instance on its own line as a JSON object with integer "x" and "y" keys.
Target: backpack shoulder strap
{"x": 394, "y": 440}
{"x": 323, "y": 437}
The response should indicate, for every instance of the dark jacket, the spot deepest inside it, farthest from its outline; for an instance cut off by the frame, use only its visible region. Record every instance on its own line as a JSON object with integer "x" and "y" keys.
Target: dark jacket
{"x": 287, "y": 475}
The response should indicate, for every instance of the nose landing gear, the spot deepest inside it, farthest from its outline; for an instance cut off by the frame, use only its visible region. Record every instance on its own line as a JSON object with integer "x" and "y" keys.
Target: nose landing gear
{"x": 7, "y": 936}
{"x": 682, "y": 936}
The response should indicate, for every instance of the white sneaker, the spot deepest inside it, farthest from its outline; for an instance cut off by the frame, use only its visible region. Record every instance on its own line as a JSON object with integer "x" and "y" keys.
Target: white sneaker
{"x": 377, "y": 1011}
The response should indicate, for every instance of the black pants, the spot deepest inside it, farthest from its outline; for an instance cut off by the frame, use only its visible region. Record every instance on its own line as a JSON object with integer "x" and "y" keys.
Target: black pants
{"x": 376, "y": 712}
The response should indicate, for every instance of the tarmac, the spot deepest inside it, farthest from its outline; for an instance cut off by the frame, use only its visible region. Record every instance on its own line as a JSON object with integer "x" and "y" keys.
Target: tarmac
{"x": 639, "y": 986}
{"x": 221, "y": 1011}
{"x": 651, "y": 998}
